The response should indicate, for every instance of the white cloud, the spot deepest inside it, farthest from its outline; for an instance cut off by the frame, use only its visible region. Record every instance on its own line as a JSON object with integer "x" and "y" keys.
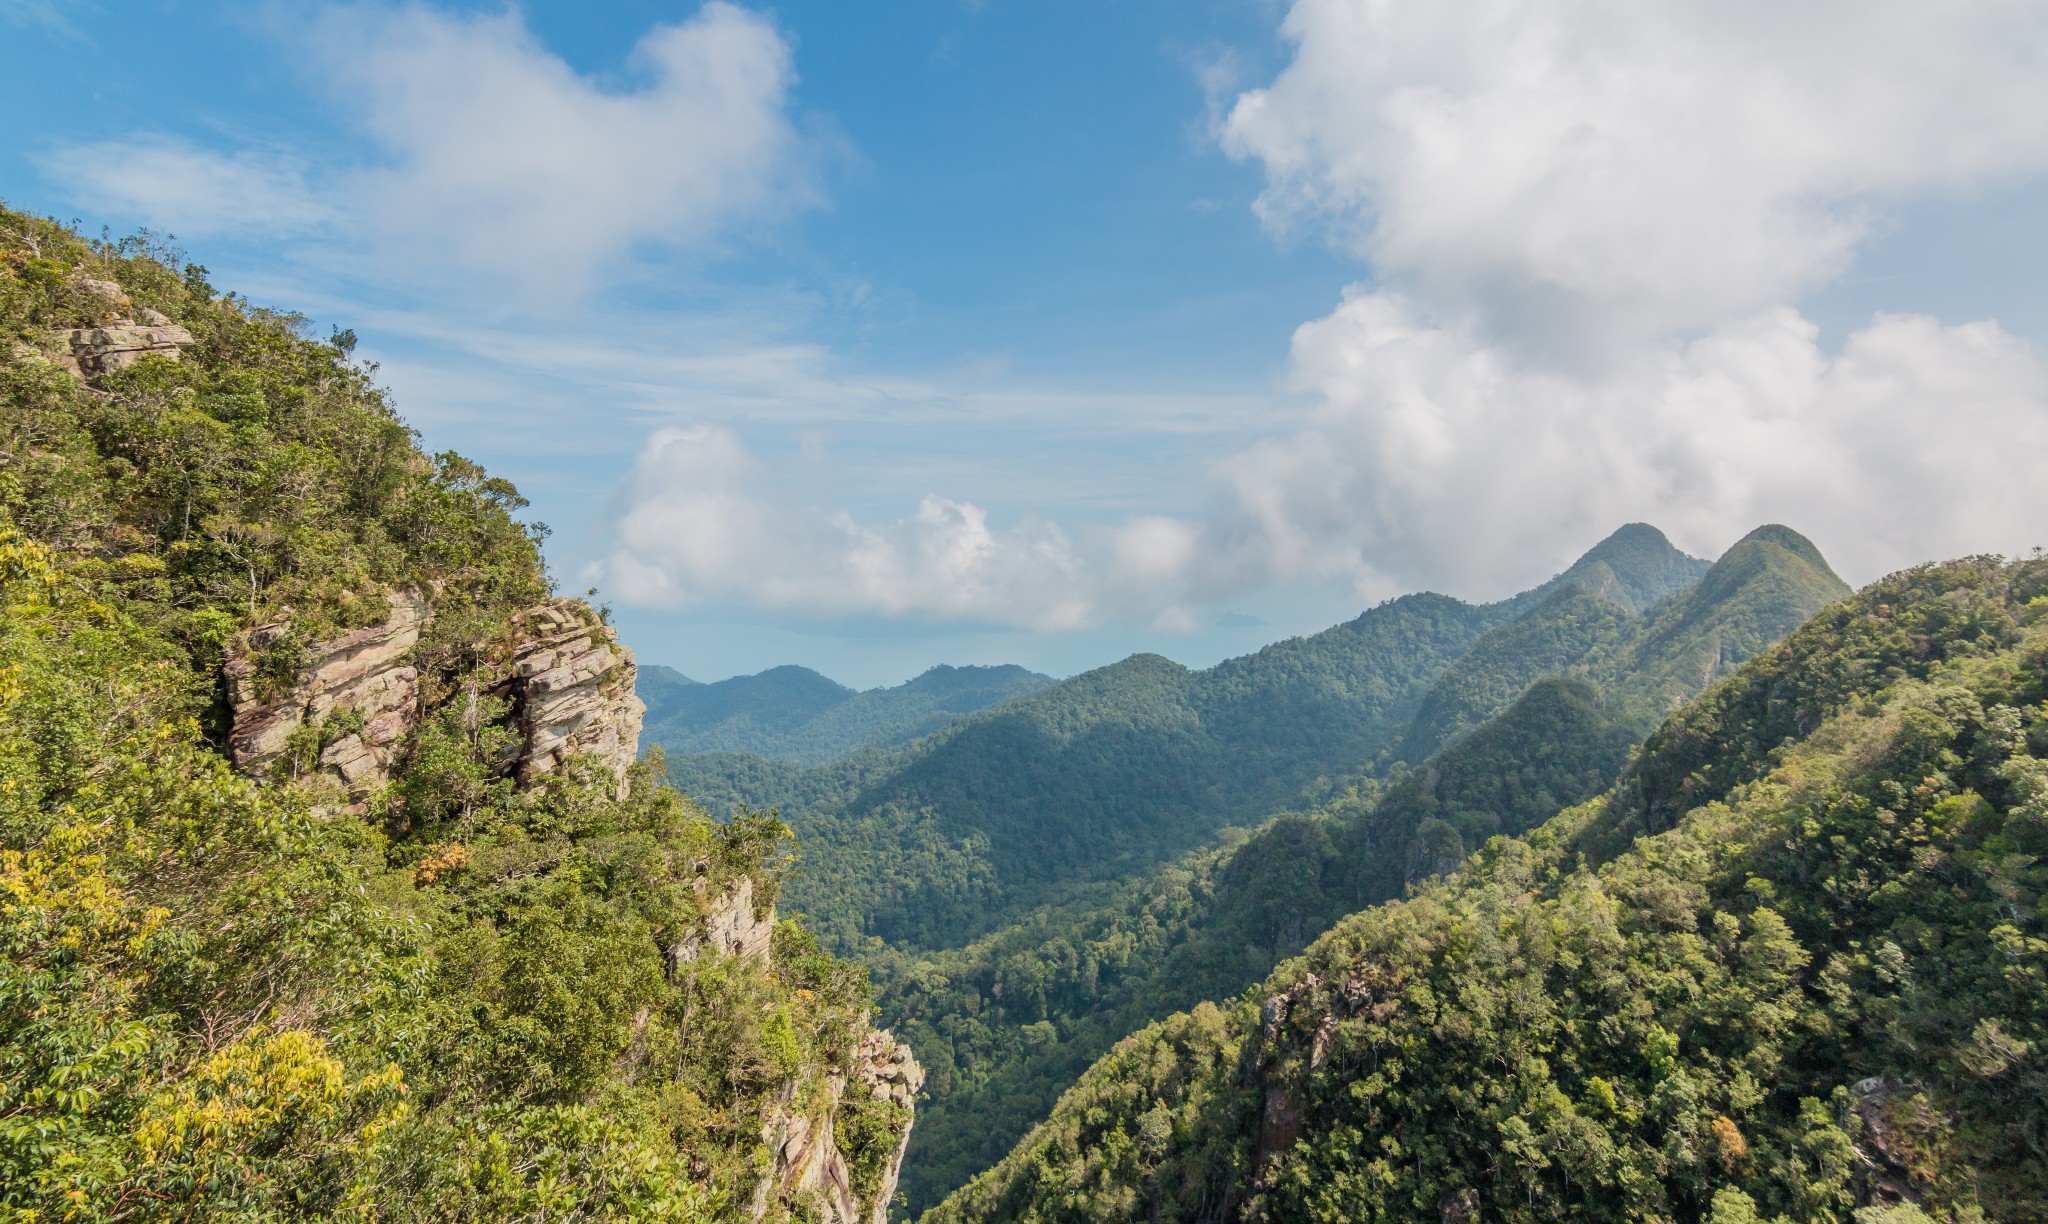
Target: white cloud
{"x": 1436, "y": 461}
{"x": 1565, "y": 167}
{"x": 499, "y": 154}
{"x": 171, "y": 183}
{"x": 1440, "y": 460}
{"x": 702, "y": 522}
{"x": 489, "y": 158}
{"x": 1586, "y": 220}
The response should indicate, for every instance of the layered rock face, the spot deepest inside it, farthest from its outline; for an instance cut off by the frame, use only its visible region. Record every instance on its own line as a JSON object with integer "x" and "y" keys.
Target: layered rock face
{"x": 364, "y": 673}
{"x": 355, "y": 699}
{"x": 572, "y": 685}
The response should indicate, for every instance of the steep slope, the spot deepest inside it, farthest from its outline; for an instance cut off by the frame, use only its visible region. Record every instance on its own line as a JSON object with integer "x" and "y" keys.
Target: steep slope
{"x": 1006, "y": 1024}
{"x": 1553, "y": 637}
{"x": 795, "y": 715}
{"x": 1767, "y": 584}
{"x": 1790, "y": 968}
{"x": 328, "y": 886}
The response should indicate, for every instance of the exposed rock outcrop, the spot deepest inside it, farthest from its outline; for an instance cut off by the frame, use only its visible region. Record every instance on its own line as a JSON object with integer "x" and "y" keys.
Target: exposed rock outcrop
{"x": 809, "y": 1165}
{"x": 121, "y": 343}
{"x": 122, "y": 340}
{"x": 357, "y": 697}
{"x": 730, "y": 928}
{"x": 358, "y": 685}
{"x": 572, "y": 685}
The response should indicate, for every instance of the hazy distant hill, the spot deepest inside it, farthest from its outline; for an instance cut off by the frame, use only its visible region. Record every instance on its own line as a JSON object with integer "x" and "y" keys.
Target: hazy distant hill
{"x": 794, "y": 714}
{"x": 1105, "y": 776}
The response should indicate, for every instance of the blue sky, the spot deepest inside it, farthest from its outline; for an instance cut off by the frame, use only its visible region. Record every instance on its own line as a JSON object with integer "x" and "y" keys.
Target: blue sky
{"x": 874, "y": 337}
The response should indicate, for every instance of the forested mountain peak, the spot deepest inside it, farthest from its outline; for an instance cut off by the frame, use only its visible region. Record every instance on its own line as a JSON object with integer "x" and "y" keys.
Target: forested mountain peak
{"x": 1635, "y": 567}
{"x": 1771, "y": 554}
{"x": 1789, "y": 970}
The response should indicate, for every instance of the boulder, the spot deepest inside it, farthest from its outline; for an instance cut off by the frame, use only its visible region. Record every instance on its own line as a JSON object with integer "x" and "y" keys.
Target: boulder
{"x": 120, "y": 344}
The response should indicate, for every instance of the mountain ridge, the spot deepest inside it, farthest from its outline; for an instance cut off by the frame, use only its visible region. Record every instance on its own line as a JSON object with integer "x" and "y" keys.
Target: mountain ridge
{"x": 1769, "y": 975}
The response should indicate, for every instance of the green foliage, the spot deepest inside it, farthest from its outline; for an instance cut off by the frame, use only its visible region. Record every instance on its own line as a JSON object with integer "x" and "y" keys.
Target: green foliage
{"x": 464, "y": 1001}
{"x": 1816, "y": 995}
{"x": 1007, "y": 1023}
{"x": 262, "y": 470}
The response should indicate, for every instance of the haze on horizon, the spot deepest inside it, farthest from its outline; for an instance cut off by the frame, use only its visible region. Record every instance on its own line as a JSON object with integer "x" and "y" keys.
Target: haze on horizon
{"x": 991, "y": 332}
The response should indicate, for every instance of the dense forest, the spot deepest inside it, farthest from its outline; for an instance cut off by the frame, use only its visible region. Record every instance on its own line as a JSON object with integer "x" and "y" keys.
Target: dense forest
{"x": 1054, "y": 797}
{"x": 486, "y": 984}
{"x": 1789, "y": 967}
{"x": 793, "y": 714}
{"x": 1006, "y": 1023}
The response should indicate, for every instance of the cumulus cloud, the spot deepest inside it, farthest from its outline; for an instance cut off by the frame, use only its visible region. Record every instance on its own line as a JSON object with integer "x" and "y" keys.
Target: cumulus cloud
{"x": 498, "y": 153}
{"x": 488, "y": 156}
{"x": 702, "y": 523}
{"x": 1565, "y": 167}
{"x": 1586, "y": 222}
{"x": 1438, "y": 459}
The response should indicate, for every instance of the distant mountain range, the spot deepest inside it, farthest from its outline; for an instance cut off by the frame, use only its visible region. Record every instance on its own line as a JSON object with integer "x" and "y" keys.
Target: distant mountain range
{"x": 794, "y": 714}
{"x": 1103, "y": 777}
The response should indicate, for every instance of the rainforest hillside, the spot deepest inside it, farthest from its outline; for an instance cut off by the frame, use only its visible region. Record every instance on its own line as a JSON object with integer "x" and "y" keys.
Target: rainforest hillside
{"x": 794, "y": 714}
{"x": 1006, "y": 1023}
{"x": 1791, "y": 967}
{"x": 1108, "y": 775}
{"x": 328, "y": 883}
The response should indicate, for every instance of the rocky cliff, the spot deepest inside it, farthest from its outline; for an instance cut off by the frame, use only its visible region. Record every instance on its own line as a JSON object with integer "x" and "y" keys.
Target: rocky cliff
{"x": 572, "y": 688}
{"x": 812, "y": 1168}
{"x": 835, "y": 1155}
{"x": 345, "y": 708}
{"x": 342, "y": 714}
